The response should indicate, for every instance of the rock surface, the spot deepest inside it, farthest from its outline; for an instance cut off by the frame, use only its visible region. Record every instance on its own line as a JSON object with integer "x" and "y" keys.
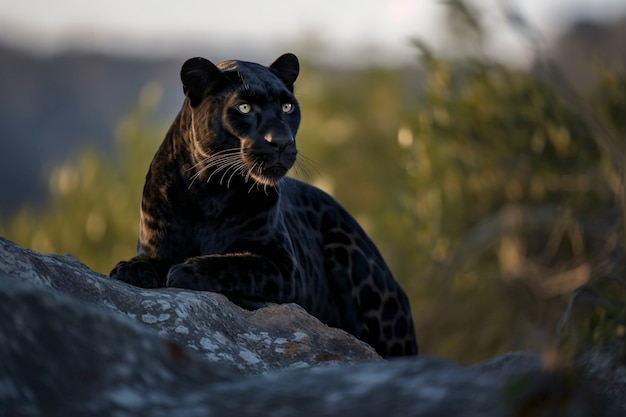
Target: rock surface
{"x": 275, "y": 337}
{"x": 75, "y": 343}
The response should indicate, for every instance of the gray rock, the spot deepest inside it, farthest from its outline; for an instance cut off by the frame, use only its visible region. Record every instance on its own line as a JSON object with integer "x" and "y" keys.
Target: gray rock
{"x": 64, "y": 357}
{"x": 511, "y": 364}
{"x": 75, "y": 343}
{"x": 271, "y": 338}
{"x": 605, "y": 368}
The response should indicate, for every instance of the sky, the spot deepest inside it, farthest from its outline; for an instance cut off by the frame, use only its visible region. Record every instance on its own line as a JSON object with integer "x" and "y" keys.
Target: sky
{"x": 381, "y": 28}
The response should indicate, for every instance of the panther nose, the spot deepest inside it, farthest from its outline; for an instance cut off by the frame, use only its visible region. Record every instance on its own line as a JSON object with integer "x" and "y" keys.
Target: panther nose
{"x": 278, "y": 140}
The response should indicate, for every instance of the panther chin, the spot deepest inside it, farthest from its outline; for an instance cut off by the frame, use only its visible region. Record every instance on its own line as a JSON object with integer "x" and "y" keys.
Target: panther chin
{"x": 269, "y": 176}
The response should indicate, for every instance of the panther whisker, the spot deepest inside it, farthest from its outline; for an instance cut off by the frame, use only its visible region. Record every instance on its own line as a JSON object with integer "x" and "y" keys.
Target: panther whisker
{"x": 249, "y": 173}
{"x": 234, "y": 166}
{"x": 257, "y": 166}
{"x": 220, "y": 159}
{"x": 221, "y": 163}
{"x": 212, "y": 156}
{"x": 239, "y": 168}
{"x": 304, "y": 165}
{"x": 214, "y": 159}
{"x": 222, "y": 167}
{"x": 218, "y": 166}
{"x": 204, "y": 161}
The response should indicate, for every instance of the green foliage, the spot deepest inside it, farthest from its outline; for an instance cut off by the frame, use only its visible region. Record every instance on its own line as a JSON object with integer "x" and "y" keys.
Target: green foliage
{"x": 504, "y": 185}
{"x": 93, "y": 211}
{"x": 494, "y": 196}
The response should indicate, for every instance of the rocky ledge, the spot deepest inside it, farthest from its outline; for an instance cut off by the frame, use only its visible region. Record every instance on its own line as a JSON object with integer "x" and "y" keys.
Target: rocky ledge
{"x": 76, "y": 343}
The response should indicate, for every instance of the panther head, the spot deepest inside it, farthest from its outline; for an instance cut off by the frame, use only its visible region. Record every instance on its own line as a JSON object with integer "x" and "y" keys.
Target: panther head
{"x": 244, "y": 118}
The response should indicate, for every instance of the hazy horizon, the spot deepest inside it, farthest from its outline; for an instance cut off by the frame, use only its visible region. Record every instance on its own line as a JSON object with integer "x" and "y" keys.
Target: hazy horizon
{"x": 345, "y": 30}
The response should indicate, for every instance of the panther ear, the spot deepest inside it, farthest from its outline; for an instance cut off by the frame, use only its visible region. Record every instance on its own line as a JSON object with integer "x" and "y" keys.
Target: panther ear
{"x": 286, "y": 67}
{"x": 197, "y": 75}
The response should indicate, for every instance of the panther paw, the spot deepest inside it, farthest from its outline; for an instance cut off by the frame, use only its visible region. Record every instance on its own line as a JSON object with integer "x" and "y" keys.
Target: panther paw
{"x": 137, "y": 272}
{"x": 186, "y": 276}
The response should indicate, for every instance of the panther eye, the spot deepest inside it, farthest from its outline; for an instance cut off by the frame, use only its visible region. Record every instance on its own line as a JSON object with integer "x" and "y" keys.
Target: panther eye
{"x": 287, "y": 107}
{"x": 244, "y": 108}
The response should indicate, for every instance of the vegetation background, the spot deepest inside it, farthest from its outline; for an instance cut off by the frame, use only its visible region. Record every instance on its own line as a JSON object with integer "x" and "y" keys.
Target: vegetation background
{"x": 496, "y": 194}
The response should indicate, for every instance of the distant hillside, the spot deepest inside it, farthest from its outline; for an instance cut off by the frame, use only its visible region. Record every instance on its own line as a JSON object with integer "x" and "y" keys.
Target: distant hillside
{"x": 587, "y": 46}
{"x": 50, "y": 106}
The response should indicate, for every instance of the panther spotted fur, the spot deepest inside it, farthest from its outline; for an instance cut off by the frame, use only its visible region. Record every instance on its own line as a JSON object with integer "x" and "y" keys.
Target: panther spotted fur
{"x": 218, "y": 213}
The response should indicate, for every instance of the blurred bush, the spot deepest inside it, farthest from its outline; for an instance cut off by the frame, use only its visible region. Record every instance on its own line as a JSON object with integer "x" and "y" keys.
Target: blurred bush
{"x": 512, "y": 201}
{"x": 93, "y": 210}
{"x": 497, "y": 196}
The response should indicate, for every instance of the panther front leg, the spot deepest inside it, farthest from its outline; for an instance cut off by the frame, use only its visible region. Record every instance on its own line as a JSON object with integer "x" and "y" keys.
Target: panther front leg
{"x": 245, "y": 275}
{"x": 141, "y": 271}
